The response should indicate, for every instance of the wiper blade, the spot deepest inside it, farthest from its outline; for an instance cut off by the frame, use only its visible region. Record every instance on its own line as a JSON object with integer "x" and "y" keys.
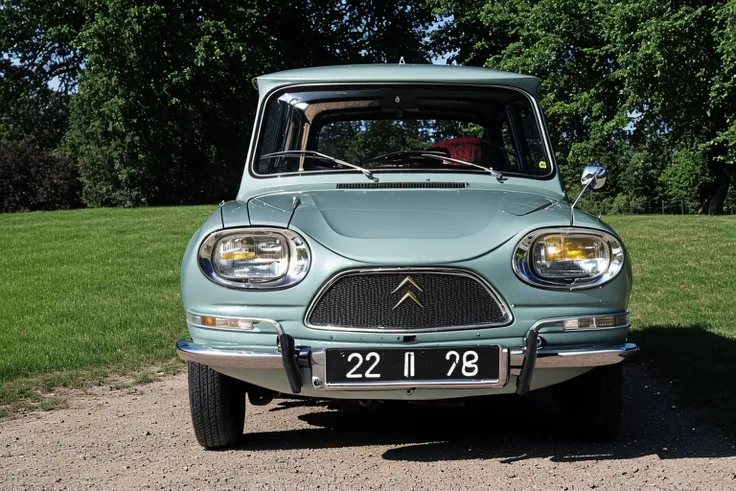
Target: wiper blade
{"x": 444, "y": 160}
{"x": 429, "y": 154}
{"x": 402, "y": 153}
{"x": 312, "y": 153}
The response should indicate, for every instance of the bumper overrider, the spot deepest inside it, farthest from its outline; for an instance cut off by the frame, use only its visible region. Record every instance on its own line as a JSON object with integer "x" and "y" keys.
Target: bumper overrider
{"x": 522, "y": 362}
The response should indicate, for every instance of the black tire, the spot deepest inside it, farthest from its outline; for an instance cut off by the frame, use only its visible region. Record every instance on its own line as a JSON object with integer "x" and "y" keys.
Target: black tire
{"x": 593, "y": 402}
{"x": 217, "y": 403}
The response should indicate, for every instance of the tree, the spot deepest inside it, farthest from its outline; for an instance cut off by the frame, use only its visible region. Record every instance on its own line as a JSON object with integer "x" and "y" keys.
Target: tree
{"x": 38, "y": 69}
{"x": 623, "y": 83}
{"x": 31, "y": 178}
{"x": 29, "y": 112}
{"x": 677, "y": 71}
{"x": 560, "y": 42}
{"x": 165, "y": 103}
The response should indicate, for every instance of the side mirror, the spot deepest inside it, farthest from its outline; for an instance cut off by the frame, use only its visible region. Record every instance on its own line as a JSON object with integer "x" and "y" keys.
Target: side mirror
{"x": 594, "y": 176}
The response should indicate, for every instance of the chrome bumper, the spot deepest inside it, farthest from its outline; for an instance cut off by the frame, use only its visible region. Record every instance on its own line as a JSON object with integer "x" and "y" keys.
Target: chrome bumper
{"x": 217, "y": 357}
{"x": 524, "y": 364}
{"x": 585, "y": 358}
{"x": 521, "y": 363}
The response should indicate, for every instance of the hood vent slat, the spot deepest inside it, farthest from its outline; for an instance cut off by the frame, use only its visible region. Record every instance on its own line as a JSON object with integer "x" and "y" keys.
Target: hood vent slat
{"x": 402, "y": 185}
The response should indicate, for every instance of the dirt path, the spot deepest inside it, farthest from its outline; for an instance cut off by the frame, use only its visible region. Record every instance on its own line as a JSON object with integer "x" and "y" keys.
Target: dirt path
{"x": 141, "y": 438}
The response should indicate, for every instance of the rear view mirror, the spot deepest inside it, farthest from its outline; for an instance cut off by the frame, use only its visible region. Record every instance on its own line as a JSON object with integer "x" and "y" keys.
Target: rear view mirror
{"x": 593, "y": 177}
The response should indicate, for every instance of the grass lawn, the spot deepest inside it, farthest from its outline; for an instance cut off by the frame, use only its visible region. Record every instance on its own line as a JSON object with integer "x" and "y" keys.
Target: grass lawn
{"x": 683, "y": 304}
{"x": 91, "y": 292}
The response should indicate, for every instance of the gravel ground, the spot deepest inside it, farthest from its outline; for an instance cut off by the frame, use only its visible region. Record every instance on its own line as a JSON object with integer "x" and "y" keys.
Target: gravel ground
{"x": 141, "y": 438}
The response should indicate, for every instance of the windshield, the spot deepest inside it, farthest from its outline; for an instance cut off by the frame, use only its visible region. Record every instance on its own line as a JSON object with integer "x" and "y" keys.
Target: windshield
{"x": 393, "y": 129}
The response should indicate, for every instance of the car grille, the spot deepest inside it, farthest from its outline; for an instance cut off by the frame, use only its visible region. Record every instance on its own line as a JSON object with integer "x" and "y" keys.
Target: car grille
{"x": 405, "y": 300}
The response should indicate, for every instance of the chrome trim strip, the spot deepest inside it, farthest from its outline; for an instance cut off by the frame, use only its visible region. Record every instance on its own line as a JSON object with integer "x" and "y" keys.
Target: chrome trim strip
{"x": 409, "y": 270}
{"x": 516, "y": 358}
{"x": 221, "y": 357}
{"x": 289, "y": 279}
{"x": 525, "y": 272}
{"x": 254, "y": 320}
{"x": 319, "y": 370}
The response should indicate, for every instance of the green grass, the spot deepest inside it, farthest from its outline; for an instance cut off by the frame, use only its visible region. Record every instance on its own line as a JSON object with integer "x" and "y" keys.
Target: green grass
{"x": 683, "y": 305}
{"x": 89, "y": 293}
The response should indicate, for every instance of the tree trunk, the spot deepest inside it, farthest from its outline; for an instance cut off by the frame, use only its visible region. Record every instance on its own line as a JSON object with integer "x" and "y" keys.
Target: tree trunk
{"x": 714, "y": 205}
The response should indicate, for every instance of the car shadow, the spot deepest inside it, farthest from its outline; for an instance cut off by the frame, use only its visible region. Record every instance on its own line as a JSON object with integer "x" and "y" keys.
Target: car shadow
{"x": 699, "y": 361}
{"x": 509, "y": 428}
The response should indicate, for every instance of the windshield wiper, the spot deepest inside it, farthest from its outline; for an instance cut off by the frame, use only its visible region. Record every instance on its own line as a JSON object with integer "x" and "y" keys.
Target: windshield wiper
{"x": 312, "y": 153}
{"x": 429, "y": 154}
{"x": 444, "y": 160}
{"x": 402, "y": 153}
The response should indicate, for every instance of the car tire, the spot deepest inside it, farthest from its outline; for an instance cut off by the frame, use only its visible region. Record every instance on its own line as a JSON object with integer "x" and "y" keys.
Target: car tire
{"x": 217, "y": 403}
{"x": 593, "y": 402}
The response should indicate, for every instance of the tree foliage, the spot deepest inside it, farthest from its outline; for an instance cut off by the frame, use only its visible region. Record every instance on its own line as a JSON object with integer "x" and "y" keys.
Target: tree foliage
{"x": 161, "y": 92}
{"x": 166, "y": 101}
{"x": 36, "y": 44}
{"x": 153, "y": 100}
{"x": 31, "y": 178}
{"x": 624, "y": 83}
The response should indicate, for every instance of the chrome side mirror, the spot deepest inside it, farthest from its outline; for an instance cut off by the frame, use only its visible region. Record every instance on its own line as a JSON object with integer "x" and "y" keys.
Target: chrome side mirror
{"x": 594, "y": 176}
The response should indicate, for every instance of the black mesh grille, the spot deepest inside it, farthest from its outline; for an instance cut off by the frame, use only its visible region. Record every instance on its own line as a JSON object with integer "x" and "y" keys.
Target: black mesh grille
{"x": 367, "y": 300}
{"x": 402, "y": 185}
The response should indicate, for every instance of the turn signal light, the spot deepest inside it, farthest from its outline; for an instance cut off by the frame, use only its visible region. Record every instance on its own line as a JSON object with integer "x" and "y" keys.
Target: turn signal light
{"x": 221, "y": 322}
{"x": 596, "y": 322}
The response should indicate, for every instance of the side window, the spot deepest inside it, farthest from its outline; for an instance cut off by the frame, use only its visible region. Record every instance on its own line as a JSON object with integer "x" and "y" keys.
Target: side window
{"x": 532, "y": 145}
{"x": 282, "y": 130}
{"x": 508, "y": 144}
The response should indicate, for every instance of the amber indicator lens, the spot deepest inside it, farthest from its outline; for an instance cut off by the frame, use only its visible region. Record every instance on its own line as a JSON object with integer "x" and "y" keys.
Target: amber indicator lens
{"x": 221, "y": 322}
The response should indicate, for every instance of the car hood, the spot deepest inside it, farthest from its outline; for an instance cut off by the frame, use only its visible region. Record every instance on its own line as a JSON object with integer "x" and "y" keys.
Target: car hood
{"x": 396, "y": 227}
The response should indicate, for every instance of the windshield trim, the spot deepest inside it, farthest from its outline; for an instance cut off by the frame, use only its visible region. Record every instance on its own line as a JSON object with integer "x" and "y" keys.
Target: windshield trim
{"x": 251, "y": 157}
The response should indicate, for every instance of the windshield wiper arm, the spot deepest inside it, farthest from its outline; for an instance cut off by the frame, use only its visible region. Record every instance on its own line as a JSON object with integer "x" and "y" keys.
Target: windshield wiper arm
{"x": 444, "y": 160}
{"x": 312, "y": 153}
{"x": 402, "y": 153}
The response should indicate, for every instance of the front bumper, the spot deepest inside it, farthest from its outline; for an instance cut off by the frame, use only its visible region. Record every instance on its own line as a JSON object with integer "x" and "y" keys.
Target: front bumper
{"x": 522, "y": 363}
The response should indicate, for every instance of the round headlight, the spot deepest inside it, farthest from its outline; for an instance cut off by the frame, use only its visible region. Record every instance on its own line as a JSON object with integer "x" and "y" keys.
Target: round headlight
{"x": 254, "y": 258}
{"x": 568, "y": 258}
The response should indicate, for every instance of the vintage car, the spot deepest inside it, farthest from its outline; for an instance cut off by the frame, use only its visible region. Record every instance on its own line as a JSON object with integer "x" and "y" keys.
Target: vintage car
{"x": 402, "y": 232}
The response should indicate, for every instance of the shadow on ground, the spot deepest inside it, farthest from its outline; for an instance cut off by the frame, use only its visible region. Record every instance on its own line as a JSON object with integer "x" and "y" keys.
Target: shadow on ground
{"x": 701, "y": 362}
{"x": 511, "y": 428}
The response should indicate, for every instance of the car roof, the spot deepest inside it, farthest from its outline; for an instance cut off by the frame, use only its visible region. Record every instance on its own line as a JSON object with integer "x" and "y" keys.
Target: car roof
{"x": 398, "y": 73}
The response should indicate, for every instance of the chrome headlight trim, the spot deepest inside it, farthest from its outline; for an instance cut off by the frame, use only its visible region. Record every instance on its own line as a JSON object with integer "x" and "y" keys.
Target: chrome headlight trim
{"x": 524, "y": 270}
{"x": 294, "y": 274}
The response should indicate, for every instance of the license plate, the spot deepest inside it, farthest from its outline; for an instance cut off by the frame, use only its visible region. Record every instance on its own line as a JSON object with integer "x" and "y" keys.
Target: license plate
{"x": 409, "y": 366}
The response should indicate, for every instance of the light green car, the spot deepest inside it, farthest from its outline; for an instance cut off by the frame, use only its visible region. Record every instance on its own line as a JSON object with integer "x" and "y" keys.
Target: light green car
{"x": 402, "y": 233}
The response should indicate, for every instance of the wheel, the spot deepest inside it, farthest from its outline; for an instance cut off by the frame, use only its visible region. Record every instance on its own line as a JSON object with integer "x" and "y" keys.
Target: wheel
{"x": 217, "y": 403}
{"x": 593, "y": 402}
